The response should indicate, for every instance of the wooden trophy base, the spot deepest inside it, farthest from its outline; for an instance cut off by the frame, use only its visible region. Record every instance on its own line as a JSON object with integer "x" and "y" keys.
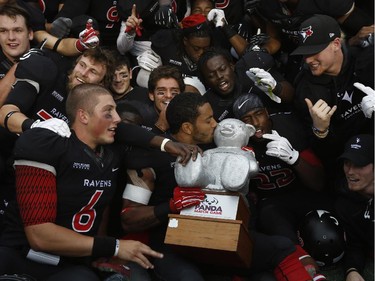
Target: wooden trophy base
{"x": 213, "y": 240}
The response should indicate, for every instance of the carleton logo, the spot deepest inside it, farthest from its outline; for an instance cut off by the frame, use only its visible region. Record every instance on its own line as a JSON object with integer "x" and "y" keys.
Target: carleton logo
{"x": 306, "y": 32}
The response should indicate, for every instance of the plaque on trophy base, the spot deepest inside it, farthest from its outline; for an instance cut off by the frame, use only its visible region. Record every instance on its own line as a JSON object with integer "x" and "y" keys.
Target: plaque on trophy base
{"x": 214, "y": 232}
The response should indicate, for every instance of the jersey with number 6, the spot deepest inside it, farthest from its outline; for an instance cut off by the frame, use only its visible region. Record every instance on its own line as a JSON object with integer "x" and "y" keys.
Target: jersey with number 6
{"x": 62, "y": 181}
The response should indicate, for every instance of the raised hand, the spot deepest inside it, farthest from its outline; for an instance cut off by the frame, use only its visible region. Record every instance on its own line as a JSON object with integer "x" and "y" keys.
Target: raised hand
{"x": 281, "y": 148}
{"x": 321, "y": 114}
{"x": 264, "y": 81}
{"x": 133, "y": 23}
{"x": 88, "y": 38}
{"x": 217, "y": 17}
{"x": 368, "y": 101}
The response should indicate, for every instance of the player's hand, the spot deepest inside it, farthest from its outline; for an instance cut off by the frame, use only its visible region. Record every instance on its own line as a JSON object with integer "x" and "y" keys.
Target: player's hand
{"x": 166, "y": 17}
{"x": 88, "y": 38}
{"x": 258, "y": 40}
{"x": 184, "y": 197}
{"x": 264, "y": 81}
{"x": 281, "y": 148}
{"x": 243, "y": 30}
{"x": 149, "y": 60}
{"x": 136, "y": 251}
{"x": 320, "y": 113}
{"x": 133, "y": 23}
{"x": 60, "y": 27}
{"x": 56, "y": 125}
{"x": 368, "y": 101}
{"x": 217, "y": 17}
{"x": 183, "y": 151}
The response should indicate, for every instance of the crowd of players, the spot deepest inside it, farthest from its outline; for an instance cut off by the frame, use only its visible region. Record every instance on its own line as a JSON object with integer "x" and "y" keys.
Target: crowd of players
{"x": 129, "y": 76}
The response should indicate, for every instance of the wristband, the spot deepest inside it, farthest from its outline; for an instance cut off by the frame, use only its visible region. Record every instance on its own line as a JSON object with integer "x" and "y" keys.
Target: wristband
{"x": 27, "y": 124}
{"x": 161, "y": 211}
{"x": 163, "y": 143}
{"x": 56, "y": 44}
{"x": 7, "y": 117}
{"x": 103, "y": 247}
{"x": 117, "y": 248}
{"x": 320, "y": 134}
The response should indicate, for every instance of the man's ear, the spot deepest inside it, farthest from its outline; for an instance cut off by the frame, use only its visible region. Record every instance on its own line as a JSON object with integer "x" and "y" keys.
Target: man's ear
{"x": 82, "y": 116}
{"x": 187, "y": 128}
{"x": 337, "y": 43}
{"x": 151, "y": 96}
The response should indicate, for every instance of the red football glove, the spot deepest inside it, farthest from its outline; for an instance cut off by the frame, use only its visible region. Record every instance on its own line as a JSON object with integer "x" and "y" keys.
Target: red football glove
{"x": 88, "y": 38}
{"x": 184, "y": 197}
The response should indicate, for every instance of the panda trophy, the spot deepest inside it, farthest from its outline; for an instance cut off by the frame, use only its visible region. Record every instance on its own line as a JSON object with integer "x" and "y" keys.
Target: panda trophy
{"x": 216, "y": 230}
{"x": 228, "y": 167}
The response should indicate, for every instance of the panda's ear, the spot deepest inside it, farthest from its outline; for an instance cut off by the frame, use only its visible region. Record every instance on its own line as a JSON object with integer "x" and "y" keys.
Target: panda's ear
{"x": 251, "y": 129}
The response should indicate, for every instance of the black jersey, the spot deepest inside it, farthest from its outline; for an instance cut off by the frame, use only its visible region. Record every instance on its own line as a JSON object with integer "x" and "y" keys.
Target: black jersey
{"x": 49, "y": 8}
{"x": 37, "y": 20}
{"x": 40, "y": 88}
{"x": 85, "y": 180}
{"x": 105, "y": 13}
{"x": 275, "y": 176}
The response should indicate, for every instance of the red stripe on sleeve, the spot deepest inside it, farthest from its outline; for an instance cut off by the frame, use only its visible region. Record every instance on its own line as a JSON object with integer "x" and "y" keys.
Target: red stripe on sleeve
{"x": 36, "y": 195}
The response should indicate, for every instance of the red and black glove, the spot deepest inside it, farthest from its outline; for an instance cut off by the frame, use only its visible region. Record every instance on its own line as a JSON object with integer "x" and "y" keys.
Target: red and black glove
{"x": 184, "y": 197}
{"x": 88, "y": 38}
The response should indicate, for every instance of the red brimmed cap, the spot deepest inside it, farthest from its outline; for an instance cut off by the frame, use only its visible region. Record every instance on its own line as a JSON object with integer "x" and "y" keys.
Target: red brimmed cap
{"x": 194, "y": 23}
{"x": 193, "y": 20}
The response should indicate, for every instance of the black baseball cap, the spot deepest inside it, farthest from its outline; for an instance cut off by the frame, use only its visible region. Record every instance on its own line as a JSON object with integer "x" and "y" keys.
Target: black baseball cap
{"x": 246, "y": 102}
{"x": 359, "y": 150}
{"x": 316, "y": 33}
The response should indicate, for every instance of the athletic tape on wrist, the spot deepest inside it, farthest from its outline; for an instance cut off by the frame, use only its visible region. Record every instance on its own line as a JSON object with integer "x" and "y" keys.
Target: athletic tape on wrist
{"x": 137, "y": 194}
{"x": 103, "y": 247}
{"x": 163, "y": 143}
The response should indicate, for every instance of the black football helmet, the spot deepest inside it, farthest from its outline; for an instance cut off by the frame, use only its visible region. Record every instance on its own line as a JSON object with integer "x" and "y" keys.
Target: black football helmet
{"x": 322, "y": 236}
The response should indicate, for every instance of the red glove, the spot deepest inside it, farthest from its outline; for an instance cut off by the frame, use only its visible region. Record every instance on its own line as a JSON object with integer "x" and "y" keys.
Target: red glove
{"x": 88, "y": 38}
{"x": 184, "y": 197}
{"x": 247, "y": 148}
